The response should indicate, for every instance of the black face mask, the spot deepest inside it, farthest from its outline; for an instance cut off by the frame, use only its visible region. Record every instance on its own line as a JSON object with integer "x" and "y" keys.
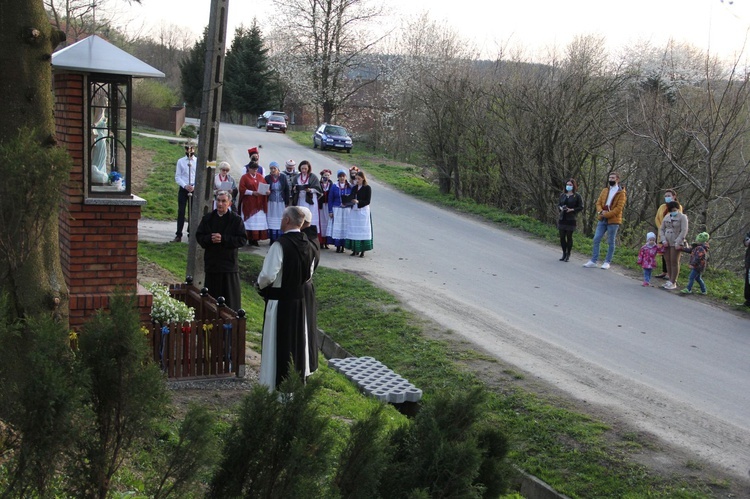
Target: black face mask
{"x": 612, "y": 182}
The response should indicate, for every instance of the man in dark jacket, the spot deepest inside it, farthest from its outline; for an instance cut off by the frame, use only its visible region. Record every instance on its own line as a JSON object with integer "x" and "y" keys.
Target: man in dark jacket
{"x": 220, "y": 234}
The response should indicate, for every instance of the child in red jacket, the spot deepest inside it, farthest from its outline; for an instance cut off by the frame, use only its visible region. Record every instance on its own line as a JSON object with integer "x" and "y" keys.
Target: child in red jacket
{"x": 647, "y": 257}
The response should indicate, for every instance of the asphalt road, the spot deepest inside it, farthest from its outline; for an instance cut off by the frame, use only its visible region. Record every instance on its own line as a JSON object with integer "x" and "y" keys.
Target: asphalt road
{"x": 671, "y": 365}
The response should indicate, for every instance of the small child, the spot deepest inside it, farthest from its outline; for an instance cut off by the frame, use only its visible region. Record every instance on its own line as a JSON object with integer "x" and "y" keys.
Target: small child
{"x": 698, "y": 262}
{"x": 647, "y": 257}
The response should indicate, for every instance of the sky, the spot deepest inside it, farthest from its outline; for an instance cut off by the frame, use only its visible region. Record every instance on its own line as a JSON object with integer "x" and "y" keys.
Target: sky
{"x": 536, "y": 25}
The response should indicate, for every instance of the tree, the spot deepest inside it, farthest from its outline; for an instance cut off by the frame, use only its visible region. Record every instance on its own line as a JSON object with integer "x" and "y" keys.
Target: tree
{"x": 694, "y": 113}
{"x": 330, "y": 41}
{"x": 248, "y": 83}
{"x": 30, "y": 270}
{"x": 191, "y": 69}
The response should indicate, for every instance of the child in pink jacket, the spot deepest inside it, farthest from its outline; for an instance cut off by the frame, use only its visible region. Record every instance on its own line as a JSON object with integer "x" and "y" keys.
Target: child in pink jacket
{"x": 647, "y": 257}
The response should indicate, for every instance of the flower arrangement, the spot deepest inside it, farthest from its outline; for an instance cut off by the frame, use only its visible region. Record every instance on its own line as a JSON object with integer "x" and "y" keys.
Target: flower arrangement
{"x": 166, "y": 309}
{"x": 114, "y": 177}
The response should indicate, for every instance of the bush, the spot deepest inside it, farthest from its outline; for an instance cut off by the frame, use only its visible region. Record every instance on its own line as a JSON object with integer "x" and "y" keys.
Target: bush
{"x": 279, "y": 446}
{"x": 447, "y": 451}
{"x": 189, "y": 131}
{"x": 126, "y": 395}
{"x": 39, "y": 401}
{"x": 150, "y": 93}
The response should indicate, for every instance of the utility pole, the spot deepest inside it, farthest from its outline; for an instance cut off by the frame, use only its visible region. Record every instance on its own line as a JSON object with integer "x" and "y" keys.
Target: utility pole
{"x": 208, "y": 137}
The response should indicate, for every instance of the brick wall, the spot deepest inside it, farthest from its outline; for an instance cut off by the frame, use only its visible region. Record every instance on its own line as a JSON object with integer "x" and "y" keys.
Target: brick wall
{"x": 98, "y": 242}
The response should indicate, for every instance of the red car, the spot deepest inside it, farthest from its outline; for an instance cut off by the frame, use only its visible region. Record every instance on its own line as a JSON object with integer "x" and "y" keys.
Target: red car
{"x": 276, "y": 122}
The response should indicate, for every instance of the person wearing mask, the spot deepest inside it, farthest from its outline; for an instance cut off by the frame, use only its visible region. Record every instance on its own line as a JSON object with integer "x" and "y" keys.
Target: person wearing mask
{"x": 254, "y": 154}
{"x": 306, "y": 190}
{"x": 289, "y": 170}
{"x": 184, "y": 176}
{"x": 673, "y": 230}
{"x": 359, "y": 222}
{"x": 278, "y": 199}
{"x": 223, "y": 181}
{"x": 569, "y": 205}
{"x": 325, "y": 187}
{"x": 254, "y": 193}
{"x": 747, "y": 269}
{"x": 339, "y": 207}
{"x": 669, "y": 196}
{"x": 609, "y": 208}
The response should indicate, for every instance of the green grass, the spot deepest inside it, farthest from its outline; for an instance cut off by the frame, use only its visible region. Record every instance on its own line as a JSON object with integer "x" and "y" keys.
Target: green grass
{"x": 160, "y": 190}
{"x": 574, "y": 453}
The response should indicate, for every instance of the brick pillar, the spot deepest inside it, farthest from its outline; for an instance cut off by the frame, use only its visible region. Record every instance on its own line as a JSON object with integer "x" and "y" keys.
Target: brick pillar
{"x": 98, "y": 237}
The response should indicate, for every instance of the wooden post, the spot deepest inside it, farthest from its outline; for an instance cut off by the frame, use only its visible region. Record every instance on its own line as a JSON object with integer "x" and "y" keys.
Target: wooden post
{"x": 208, "y": 139}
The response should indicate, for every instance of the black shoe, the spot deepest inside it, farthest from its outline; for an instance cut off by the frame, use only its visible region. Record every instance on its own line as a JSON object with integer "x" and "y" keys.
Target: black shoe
{"x": 177, "y": 239}
{"x": 663, "y": 275}
{"x": 354, "y": 253}
{"x": 567, "y": 256}
{"x": 362, "y": 255}
{"x": 565, "y": 253}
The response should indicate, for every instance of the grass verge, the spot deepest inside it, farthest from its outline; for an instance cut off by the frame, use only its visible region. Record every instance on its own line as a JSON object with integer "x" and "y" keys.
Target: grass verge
{"x": 574, "y": 453}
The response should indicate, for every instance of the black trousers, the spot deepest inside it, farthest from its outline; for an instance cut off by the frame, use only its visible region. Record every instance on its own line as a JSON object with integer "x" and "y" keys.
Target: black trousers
{"x": 182, "y": 202}
{"x": 747, "y": 285}
{"x": 566, "y": 240}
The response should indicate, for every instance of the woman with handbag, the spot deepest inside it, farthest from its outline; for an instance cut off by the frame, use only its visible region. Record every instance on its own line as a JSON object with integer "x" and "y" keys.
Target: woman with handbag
{"x": 569, "y": 204}
{"x": 673, "y": 230}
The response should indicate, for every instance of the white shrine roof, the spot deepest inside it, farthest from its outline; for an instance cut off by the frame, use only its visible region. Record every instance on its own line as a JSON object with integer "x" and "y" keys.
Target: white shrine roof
{"x": 95, "y": 55}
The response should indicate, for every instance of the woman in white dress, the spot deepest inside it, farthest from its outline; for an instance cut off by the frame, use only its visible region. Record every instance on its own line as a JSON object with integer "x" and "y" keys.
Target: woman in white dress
{"x": 359, "y": 222}
{"x": 278, "y": 200}
{"x": 325, "y": 187}
{"x": 306, "y": 191}
{"x": 339, "y": 207}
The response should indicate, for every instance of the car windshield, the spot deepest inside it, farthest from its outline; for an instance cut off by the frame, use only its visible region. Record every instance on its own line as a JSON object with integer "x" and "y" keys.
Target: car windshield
{"x": 276, "y": 118}
{"x": 335, "y": 130}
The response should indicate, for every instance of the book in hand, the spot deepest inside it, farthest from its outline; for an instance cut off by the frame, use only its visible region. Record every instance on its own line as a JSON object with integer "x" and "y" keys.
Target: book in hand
{"x": 346, "y": 200}
{"x": 263, "y": 188}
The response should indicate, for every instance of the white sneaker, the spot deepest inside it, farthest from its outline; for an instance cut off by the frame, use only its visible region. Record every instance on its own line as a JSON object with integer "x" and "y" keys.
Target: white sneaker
{"x": 589, "y": 264}
{"x": 670, "y": 285}
{"x": 605, "y": 265}
{"x": 666, "y": 284}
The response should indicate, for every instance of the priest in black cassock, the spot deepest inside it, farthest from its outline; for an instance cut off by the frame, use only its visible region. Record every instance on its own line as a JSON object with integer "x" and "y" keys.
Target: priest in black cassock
{"x": 220, "y": 234}
{"x": 286, "y": 268}
{"x": 311, "y": 231}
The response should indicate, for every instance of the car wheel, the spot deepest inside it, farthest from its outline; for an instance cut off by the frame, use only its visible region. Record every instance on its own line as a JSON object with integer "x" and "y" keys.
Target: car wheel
{"x": 315, "y": 144}
{"x": 348, "y": 151}
{"x": 284, "y": 131}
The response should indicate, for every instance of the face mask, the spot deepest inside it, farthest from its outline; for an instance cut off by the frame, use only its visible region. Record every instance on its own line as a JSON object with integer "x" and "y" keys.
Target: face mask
{"x": 612, "y": 182}
{"x": 667, "y": 199}
{"x": 673, "y": 214}
{"x": 569, "y": 188}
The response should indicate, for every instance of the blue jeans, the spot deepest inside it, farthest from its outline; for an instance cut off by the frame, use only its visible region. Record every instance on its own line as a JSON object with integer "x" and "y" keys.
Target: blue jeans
{"x": 647, "y": 275}
{"x": 611, "y": 230}
{"x": 696, "y": 276}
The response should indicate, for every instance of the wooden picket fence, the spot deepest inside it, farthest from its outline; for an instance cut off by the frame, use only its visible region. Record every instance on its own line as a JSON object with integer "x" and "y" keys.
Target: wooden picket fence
{"x": 212, "y": 345}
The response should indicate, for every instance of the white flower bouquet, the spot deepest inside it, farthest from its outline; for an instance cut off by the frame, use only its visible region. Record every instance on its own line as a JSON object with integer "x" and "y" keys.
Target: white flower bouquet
{"x": 166, "y": 309}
